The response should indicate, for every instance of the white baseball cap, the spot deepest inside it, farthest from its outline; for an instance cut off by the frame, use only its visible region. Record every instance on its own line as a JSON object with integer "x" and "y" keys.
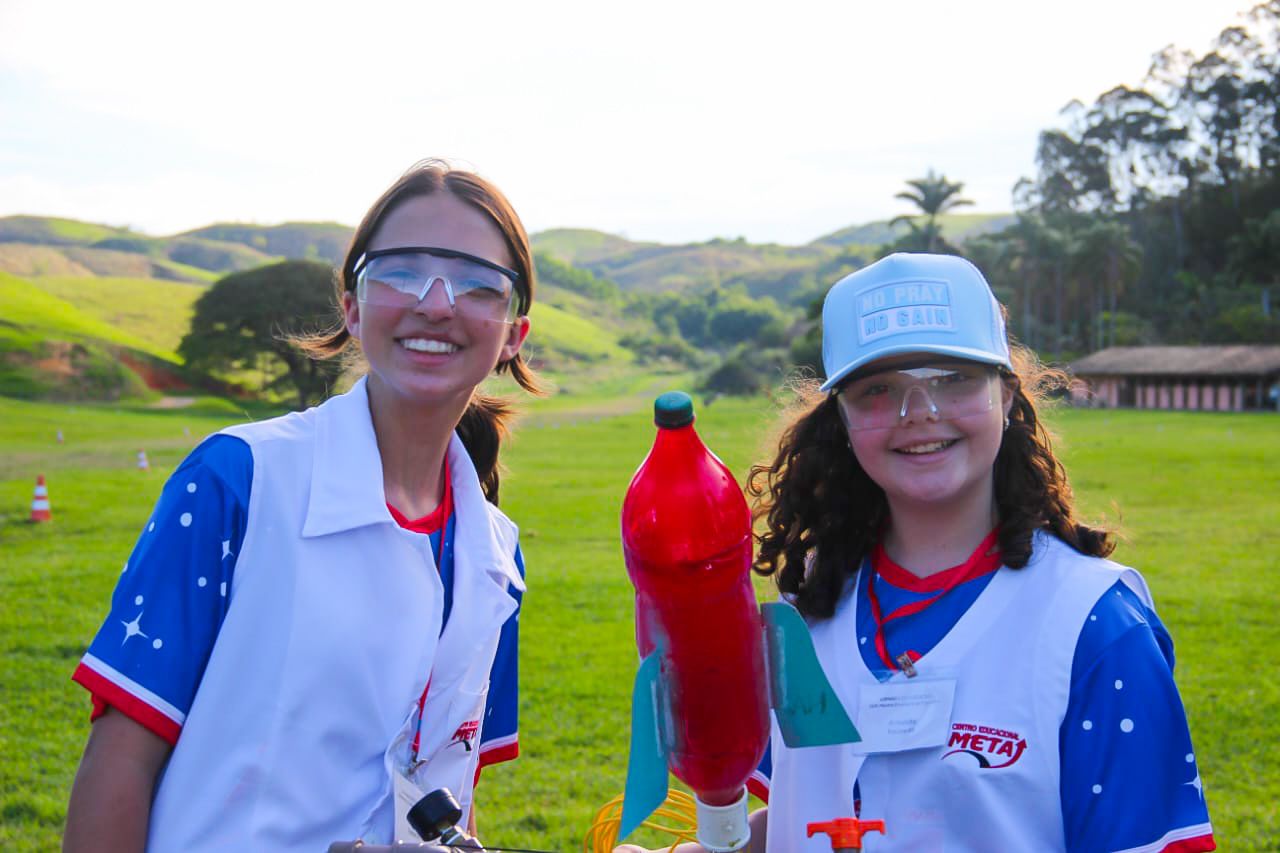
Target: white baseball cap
{"x": 911, "y": 303}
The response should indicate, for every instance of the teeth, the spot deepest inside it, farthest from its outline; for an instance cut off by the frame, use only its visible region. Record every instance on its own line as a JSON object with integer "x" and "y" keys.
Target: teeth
{"x": 425, "y": 345}
{"x": 931, "y": 447}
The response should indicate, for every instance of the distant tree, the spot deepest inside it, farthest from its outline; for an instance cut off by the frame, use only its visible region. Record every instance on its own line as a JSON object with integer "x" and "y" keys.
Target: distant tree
{"x": 691, "y": 320}
{"x": 805, "y": 351}
{"x": 738, "y": 319}
{"x": 1105, "y": 261}
{"x": 933, "y": 195}
{"x": 1027, "y": 265}
{"x": 656, "y": 348}
{"x": 1255, "y": 251}
{"x": 745, "y": 371}
{"x": 735, "y": 378}
{"x": 1245, "y": 323}
{"x": 244, "y": 320}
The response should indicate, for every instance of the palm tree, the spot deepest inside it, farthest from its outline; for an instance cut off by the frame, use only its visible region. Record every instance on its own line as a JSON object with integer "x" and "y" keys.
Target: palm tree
{"x": 934, "y": 195}
{"x": 1027, "y": 260}
{"x": 1105, "y": 261}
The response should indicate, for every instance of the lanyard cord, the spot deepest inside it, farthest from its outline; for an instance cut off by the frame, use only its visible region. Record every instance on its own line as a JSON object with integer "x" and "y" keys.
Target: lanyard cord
{"x": 978, "y": 564}
{"x": 422, "y": 700}
{"x": 914, "y": 607}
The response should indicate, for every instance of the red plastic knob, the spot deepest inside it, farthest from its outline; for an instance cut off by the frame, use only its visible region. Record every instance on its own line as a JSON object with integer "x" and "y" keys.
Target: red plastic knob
{"x": 846, "y": 832}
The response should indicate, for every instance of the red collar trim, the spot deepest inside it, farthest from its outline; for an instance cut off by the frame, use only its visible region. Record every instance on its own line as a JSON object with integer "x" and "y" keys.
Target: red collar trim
{"x": 434, "y": 520}
{"x": 984, "y": 560}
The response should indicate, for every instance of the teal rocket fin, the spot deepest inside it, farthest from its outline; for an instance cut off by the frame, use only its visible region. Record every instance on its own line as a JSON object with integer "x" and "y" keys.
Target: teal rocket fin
{"x": 647, "y": 767}
{"x": 809, "y": 712}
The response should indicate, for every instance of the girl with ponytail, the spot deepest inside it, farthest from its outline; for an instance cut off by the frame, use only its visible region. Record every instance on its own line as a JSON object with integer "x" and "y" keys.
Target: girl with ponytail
{"x": 319, "y": 620}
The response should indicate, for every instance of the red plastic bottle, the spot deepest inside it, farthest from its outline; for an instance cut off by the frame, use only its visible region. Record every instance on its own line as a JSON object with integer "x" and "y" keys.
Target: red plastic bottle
{"x": 686, "y": 539}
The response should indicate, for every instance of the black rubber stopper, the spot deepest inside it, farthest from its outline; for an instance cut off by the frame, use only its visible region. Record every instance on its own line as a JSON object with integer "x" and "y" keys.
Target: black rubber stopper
{"x": 435, "y": 813}
{"x": 673, "y": 409}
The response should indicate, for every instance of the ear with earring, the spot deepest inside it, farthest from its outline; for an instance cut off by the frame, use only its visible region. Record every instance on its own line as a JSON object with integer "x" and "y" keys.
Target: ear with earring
{"x": 1006, "y": 423}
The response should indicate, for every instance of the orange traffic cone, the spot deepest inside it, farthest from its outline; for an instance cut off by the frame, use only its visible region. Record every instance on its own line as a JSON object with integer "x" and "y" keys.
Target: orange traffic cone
{"x": 143, "y": 464}
{"x": 40, "y": 502}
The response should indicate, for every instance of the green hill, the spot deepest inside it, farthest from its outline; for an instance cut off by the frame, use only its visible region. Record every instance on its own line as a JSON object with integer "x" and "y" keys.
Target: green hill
{"x": 53, "y": 231}
{"x": 84, "y": 299}
{"x": 583, "y": 246}
{"x": 561, "y": 339}
{"x": 155, "y": 313}
{"x": 35, "y": 245}
{"x": 91, "y": 311}
{"x": 84, "y": 337}
{"x": 50, "y": 348}
{"x": 302, "y": 241}
{"x": 28, "y": 307}
{"x": 659, "y": 267}
{"x": 956, "y": 227}
{"x": 786, "y": 273}
{"x": 194, "y": 252}
{"x": 27, "y": 259}
{"x": 43, "y": 246}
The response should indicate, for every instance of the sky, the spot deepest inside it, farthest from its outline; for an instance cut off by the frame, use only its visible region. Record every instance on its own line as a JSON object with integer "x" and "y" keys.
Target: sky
{"x": 657, "y": 120}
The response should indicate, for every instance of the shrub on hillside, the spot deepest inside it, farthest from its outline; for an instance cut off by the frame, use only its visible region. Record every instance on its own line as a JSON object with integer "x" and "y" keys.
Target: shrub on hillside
{"x": 552, "y": 271}
{"x": 658, "y": 348}
{"x": 747, "y": 371}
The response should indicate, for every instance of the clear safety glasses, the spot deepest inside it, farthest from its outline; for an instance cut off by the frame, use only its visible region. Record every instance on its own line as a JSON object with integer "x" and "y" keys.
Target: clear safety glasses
{"x": 402, "y": 278}
{"x": 945, "y": 391}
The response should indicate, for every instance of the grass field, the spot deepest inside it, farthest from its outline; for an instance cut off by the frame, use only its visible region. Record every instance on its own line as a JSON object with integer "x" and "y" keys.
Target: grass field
{"x": 1197, "y": 497}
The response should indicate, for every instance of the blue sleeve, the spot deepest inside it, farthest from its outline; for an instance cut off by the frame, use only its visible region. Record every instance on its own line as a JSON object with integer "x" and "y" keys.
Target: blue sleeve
{"x": 149, "y": 656}
{"x": 1128, "y": 771}
{"x": 499, "y": 736}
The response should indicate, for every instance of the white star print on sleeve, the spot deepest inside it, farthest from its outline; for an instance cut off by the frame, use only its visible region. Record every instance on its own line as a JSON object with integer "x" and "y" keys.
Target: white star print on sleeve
{"x": 1129, "y": 777}
{"x": 169, "y": 603}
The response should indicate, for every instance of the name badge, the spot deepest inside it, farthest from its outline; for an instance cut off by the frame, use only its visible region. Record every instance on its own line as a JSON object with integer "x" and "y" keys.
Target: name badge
{"x": 904, "y": 714}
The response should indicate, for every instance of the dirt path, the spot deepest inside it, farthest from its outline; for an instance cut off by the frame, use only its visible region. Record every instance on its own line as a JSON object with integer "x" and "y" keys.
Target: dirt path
{"x": 172, "y": 403}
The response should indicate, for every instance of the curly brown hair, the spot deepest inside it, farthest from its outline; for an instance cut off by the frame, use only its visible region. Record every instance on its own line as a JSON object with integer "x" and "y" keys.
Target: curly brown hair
{"x": 822, "y": 513}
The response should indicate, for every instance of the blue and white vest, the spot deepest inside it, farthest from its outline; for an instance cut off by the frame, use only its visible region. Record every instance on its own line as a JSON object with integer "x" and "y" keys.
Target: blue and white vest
{"x": 994, "y": 784}
{"x": 331, "y": 635}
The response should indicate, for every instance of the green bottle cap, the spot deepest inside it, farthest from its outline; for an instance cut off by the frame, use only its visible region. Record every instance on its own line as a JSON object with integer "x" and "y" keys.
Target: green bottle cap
{"x": 673, "y": 409}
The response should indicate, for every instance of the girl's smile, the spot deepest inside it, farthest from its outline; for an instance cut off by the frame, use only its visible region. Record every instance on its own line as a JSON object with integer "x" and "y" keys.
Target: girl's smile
{"x": 428, "y": 345}
{"x": 926, "y": 448}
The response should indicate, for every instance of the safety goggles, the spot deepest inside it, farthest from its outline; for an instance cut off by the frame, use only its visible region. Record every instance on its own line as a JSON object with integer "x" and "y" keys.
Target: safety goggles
{"x": 402, "y": 278}
{"x": 945, "y": 391}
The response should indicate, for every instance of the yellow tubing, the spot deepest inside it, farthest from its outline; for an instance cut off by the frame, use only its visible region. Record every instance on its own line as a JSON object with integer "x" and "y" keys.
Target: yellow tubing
{"x": 602, "y": 837}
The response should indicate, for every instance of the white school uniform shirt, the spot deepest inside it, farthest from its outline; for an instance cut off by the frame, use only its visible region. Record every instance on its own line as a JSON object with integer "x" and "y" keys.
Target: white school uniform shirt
{"x": 331, "y": 635}
{"x": 1011, "y": 655}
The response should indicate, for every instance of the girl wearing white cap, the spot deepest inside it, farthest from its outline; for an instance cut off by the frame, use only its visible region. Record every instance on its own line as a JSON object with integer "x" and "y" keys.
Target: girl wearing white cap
{"x": 317, "y": 624}
{"x": 1013, "y": 688}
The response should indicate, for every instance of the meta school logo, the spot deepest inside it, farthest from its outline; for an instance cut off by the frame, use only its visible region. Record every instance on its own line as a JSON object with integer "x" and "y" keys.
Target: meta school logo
{"x": 993, "y": 748}
{"x": 466, "y": 733}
